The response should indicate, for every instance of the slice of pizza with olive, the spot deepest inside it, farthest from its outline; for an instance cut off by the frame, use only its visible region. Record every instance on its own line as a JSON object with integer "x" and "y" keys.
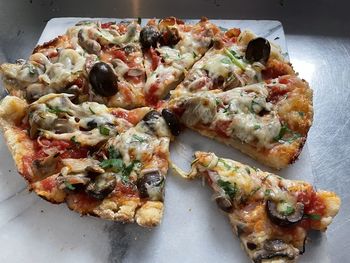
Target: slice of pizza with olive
{"x": 269, "y": 121}
{"x": 271, "y": 215}
{"x": 93, "y": 61}
{"x": 235, "y": 60}
{"x": 170, "y": 48}
{"x": 108, "y": 162}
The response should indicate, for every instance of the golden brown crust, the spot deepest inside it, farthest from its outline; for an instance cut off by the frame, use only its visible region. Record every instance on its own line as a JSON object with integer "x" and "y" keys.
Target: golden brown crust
{"x": 60, "y": 41}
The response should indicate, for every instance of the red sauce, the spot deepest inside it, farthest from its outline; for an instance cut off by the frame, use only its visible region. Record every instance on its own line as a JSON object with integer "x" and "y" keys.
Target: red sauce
{"x": 154, "y": 57}
{"x": 151, "y": 97}
{"x": 131, "y": 117}
{"x": 106, "y": 25}
{"x": 276, "y": 93}
{"x": 126, "y": 190}
{"x": 221, "y": 128}
{"x": 48, "y": 184}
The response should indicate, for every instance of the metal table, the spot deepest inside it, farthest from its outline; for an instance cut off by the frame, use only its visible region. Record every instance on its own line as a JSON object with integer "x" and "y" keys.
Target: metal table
{"x": 319, "y": 48}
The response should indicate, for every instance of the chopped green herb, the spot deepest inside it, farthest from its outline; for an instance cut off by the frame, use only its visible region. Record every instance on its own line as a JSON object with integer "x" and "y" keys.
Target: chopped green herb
{"x": 138, "y": 138}
{"x": 284, "y": 129}
{"x": 74, "y": 140}
{"x": 255, "y": 190}
{"x": 267, "y": 192}
{"x": 91, "y": 110}
{"x": 257, "y": 127}
{"x": 247, "y": 170}
{"x": 115, "y": 164}
{"x": 113, "y": 153}
{"x": 69, "y": 186}
{"x": 56, "y": 110}
{"x": 226, "y": 165}
{"x": 301, "y": 114}
{"x": 229, "y": 189}
{"x": 313, "y": 216}
{"x": 251, "y": 109}
{"x": 104, "y": 130}
{"x": 194, "y": 54}
{"x": 128, "y": 169}
{"x": 285, "y": 208}
{"x": 231, "y": 54}
{"x": 226, "y": 61}
{"x": 218, "y": 101}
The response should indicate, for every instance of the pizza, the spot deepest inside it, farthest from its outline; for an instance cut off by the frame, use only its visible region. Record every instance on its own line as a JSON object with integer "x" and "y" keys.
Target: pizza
{"x": 171, "y": 47}
{"x": 107, "y": 162}
{"x": 271, "y": 215}
{"x": 268, "y": 120}
{"x": 236, "y": 59}
{"x": 118, "y": 65}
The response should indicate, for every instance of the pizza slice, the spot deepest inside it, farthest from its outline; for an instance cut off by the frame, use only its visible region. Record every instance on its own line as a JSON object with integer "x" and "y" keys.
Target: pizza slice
{"x": 269, "y": 214}
{"x": 93, "y": 61}
{"x": 236, "y": 59}
{"x": 107, "y": 162}
{"x": 269, "y": 121}
{"x": 171, "y": 47}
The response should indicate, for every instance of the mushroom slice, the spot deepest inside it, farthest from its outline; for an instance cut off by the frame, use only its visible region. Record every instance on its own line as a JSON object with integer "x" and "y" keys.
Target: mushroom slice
{"x": 102, "y": 185}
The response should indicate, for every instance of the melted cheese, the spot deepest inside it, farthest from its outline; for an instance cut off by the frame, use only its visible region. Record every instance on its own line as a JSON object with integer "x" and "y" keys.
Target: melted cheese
{"x": 218, "y": 65}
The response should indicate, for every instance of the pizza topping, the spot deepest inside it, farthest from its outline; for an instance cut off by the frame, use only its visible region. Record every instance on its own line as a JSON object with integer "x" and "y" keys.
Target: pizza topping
{"x": 275, "y": 248}
{"x": 151, "y": 185}
{"x": 91, "y": 46}
{"x": 224, "y": 203}
{"x": 284, "y": 213}
{"x": 170, "y": 36}
{"x": 149, "y": 37}
{"x": 103, "y": 80}
{"x": 46, "y": 166}
{"x": 102, "y": 185}
{"x": 172, "y": 121}
{"x": 258, "y": 50}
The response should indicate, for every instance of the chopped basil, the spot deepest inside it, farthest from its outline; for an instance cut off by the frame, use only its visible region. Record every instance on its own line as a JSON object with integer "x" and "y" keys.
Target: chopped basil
{"x": 128, "y": 169}
{"x": 251, "y": 109}
{"x": 69, "y": 186}
{"x": 315, "y": 217}
{"x": 229, "y": 189}
{"x": 267, "y": 192}
{"x": 56, "y": 110}
{"x": 226, "y": 61}
{"x": 115, "y": 164}
{"x": 226, "y": 165}
{"x": 113, "y": 153}
{"x": 91, "y": 110}
{"x": 247, "y": 170}
{"x": 138, "y": 138}
{"x": 218, "y": 101}
{"x": 194, "y": 54}
{"x": 301, "y": 113}
{"x": 285, "y": 208}
{"x": 74, "y": 140}
{"x": 257, "y": 127}
{"x": 104, "y": 130}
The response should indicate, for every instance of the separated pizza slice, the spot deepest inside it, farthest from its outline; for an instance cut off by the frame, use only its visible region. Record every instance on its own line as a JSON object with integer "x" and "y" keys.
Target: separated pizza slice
{"x": 269, "y": 121}
{"x": 171, "y": 47}
{"x": 82, "y": 154}
{"x": 269, "y": 214}
{"x": 236, "y": 59}
{"x": 94, "y": 61}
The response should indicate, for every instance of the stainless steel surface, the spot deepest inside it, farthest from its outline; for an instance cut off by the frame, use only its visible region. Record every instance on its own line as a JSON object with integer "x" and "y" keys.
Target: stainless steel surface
{"x": 319, "y": 48}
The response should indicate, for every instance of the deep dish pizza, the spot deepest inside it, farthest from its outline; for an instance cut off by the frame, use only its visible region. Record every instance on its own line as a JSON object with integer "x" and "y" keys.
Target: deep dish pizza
{"x": 107, "y": 162}
{"x": 269, "y": 214}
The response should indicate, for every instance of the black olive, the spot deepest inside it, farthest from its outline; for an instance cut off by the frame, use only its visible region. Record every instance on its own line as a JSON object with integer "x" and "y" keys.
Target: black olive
{"x": 284, "y": 220}
{"x": 170, "y": 37}
{"x": 151, "y": 185}
{"x": 103, "y": 80}
{"x": 102, "y": 185}
{"x": 91, "y": 125}
{"x": 172, "y": 121}
{"x": 151, "y": 115}
{"x": 258, "y": 49}
{"x": 224, "y": 203}
{"x": 149, "y": 36}
{"x": 251, "y": 246}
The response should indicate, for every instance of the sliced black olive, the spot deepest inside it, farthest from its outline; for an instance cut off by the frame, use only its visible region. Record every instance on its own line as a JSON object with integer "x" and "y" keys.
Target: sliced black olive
{"x": 251, "y": 246}
{"x": 283, "y": 219}
{"x": 258, "y": 50}
{"x": 103, "y": 80}
{"x": 275, "y": 248}
{"x": 92, "y": 124}
{"x": 149, "y": 36}
{"x": 224, "y": 203}
{"x": 151, "y": 115}
{"x": 170, "y": 37}
{"x": 151, "y": 185}
{"x": 172, "y": 121}
{"x": 102, "y": 185}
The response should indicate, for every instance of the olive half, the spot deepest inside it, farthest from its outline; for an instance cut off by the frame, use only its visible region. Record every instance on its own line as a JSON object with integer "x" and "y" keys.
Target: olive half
{"x": 172, "y": 121}
{"x": 151, "y": 185}
{"x": 258, "y": 50}
{"x": 149, "y": 37}
{"x": 103, "y": 80}
{"x": 224, "y": 204}
{"x": 284, "y": 219}
{"x": 102, "y": 185}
